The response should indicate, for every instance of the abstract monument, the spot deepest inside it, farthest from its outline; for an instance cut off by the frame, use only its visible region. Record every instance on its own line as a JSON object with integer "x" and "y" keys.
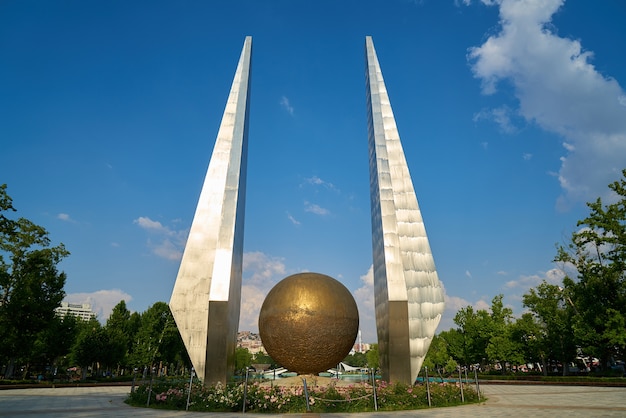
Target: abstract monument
{"x": 206, "y": 298}
{"x": 407, "y": 292}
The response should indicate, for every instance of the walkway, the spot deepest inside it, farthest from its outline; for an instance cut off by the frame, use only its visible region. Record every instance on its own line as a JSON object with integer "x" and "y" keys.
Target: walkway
{"x": 503, "y": 401}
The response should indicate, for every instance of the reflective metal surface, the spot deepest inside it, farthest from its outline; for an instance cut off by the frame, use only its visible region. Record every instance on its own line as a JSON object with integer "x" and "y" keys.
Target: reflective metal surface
{"x": 206, "y": 298}
{"x": 408, "y": 295}
{"x": 308, "y": 322}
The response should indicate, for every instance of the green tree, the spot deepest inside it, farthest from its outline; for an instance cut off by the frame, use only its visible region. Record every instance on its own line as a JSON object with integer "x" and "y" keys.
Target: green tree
{"x": 263, "y": 358}
{"x": 475, "y": 328}
{"x": 90, "y": 345}
{"x": 134, "y": 325}
{"x": 243, "y": 358}
{"x": 372, "y": 356}
{"x": 157, "y": 341}
{"x": 118, "y": 328}
{"x": 454, "y": 343}
{"x": 526, "y": 332}
{"x": 437, "y": 356}
{"x": 501, "y": 347}
{"x": 556, "y": 339}
{"x": 597, "y": 288}
{"x": 31, "y": 287}
{"x": 97, "y": 346}
{"x": 504, "y": 350}
{"x": 116, "y": 348}
{"x": 53, "y": 344}
{"x": 356, "y": 359}
{"x": 120, "y": 319}
{"x": 487, "y": 335}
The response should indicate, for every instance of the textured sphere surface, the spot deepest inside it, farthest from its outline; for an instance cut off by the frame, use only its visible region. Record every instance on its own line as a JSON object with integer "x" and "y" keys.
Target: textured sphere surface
{"x": 308, "y": 322}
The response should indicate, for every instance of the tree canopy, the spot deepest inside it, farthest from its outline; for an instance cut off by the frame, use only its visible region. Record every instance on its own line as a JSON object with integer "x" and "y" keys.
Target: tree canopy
{"x": 31, "y": 287}
{"x": 582, "y": 319}
{"x": 595, "y": 285}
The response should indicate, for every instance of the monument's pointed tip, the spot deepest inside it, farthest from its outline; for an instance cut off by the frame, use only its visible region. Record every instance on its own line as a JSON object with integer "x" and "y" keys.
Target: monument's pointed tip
{"x": 370, "y": 51}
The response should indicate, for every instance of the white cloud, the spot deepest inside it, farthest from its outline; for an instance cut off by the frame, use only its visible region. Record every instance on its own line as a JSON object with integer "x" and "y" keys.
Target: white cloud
{"x": 468, "y": 274}
{"x": 167, "y": 249}
{"x": 316, "y": 181}
{"x": 261, "y": 272}
{"x": 284, "y": 102}
{"x": 453, "y": 305}
{"x": 64, "y": 217}
{"x": 147, "y": 223}
{"x": 555, "y": 276}
{"x": 292, "y": 219}
{"x": 482, "y": 305}
{"x": 559, "y": 89}
{"x": 262, "y": 269}
{"x": 524, "y": 282}
{"x": 500, "y": 115}
{"x": 527, "y": 156}
{"x": 102, "y": 301}
{"x": 316, "y": 209}
{"x": 364, "y": 297}
{"x": 167, "y": 243}
{"x": 252, "y": 299}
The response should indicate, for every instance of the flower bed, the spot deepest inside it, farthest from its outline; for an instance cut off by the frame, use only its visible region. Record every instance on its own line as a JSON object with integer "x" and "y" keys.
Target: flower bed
{"x": 171, "y": 394}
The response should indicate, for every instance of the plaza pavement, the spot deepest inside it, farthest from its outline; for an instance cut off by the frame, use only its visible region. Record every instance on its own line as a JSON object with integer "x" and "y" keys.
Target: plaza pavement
{"x": 502, "y": 401}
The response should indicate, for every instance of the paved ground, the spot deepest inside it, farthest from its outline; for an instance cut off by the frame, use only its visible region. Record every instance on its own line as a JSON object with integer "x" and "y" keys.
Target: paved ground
{"x": 503, "y": 401}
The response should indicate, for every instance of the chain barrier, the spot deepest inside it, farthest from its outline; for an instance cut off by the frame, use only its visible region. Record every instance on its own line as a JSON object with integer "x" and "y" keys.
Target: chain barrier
{"x": 339, "y": 400}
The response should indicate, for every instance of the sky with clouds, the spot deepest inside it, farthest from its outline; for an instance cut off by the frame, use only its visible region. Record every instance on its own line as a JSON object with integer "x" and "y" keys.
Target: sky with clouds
{"x": 512, "y": 115}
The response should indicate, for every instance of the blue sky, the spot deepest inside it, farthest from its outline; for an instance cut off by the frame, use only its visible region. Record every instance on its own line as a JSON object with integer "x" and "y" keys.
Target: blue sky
{"x": 512, "y": 116}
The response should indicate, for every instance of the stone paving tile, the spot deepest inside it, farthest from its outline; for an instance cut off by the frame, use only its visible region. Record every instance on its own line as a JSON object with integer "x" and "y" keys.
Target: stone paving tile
{"x": 503, "y": 401}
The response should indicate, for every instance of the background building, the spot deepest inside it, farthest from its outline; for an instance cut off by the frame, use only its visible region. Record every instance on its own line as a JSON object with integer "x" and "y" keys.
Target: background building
{"x": 251, "y": 341}
{"x": 79, "y": 310}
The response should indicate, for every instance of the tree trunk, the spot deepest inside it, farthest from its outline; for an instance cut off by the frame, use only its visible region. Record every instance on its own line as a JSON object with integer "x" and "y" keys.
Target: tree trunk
{"x": 25, "y": 374}
{"x": 10, "y": 369}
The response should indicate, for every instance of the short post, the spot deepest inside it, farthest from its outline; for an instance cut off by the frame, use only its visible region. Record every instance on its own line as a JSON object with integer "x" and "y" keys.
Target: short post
{"x": 189, "y": 393}
{"x": 374, "y": 389}
{"x": 427, "y": 386}
{"x": 476, "y": 379}
{"x": 245, "y": 391}
{"x": 306, "y": 395}
{"x": 461, "y": 384}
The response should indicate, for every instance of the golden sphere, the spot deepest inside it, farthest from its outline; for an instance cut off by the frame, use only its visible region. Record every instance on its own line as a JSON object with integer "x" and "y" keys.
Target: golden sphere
{"x": 308, "y": 322}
